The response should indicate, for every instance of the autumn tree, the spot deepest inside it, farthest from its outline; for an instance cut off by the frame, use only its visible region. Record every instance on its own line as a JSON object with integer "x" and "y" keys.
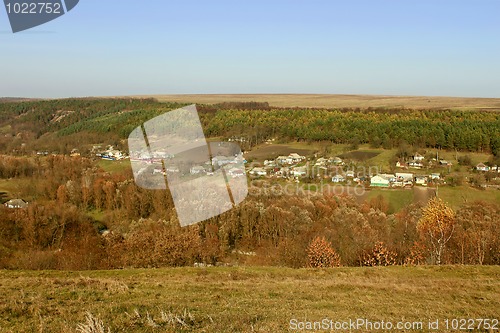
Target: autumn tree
{"x": 380, "y": 255}
{"x": 477, "y": 237}
{"x": 436, "y": 226}
{"x": 321, "y": 254}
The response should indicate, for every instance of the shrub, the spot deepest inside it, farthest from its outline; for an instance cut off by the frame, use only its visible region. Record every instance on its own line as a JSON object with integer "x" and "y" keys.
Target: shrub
{"x": 417, "y": 254}
{"x": 379, "y": 256}
{"x": 321, "y": 254}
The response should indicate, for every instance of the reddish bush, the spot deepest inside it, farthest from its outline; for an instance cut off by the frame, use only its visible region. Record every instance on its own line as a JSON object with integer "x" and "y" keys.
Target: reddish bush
{"x": 321, "y": 254}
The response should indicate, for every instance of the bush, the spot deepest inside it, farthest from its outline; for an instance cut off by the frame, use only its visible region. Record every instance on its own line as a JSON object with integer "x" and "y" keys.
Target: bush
{"x": 379, "y": 256}
{"x": 321, "y": 254}
{"x": 465, "y": 160}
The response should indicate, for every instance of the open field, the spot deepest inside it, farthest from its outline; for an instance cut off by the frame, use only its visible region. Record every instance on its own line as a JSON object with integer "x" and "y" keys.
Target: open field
{"x": 340, "y": 101}
{"x": 457, "y": 196}
{"x": 244, "y": 299}
{"x": 10, "y": 187}
{"x": 272, "y": 151}
{"x": 114, "y": 166}
{"x": 396, "y": 198}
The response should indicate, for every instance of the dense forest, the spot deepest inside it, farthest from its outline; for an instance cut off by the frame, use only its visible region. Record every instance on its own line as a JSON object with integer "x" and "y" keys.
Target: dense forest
{"x": 62, "y": 125}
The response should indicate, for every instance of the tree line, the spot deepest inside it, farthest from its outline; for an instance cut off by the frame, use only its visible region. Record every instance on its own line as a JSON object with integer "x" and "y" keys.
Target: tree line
{"x": 31, "y": 122}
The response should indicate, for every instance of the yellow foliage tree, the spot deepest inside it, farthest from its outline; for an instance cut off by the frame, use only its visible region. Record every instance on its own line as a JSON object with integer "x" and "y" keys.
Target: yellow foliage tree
{"x": 437, "y": 225}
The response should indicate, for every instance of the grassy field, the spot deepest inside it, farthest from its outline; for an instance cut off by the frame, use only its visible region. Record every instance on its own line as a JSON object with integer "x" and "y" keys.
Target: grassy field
{"x": 457, "y": 196}
{"x": 341, "y": 101}
{"x": 243, "y": 299}
{"x": 9, "y": 188}
{"x": 397, "y": 199}
{"x": 114, "y": 166}
{"x": 454, "y": 196}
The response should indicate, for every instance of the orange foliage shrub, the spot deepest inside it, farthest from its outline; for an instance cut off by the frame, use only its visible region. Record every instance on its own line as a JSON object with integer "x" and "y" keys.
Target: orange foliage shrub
{"x": 379, "y": 256}
{"x": 417, "y": 254}
{"x": 321, "y": 254}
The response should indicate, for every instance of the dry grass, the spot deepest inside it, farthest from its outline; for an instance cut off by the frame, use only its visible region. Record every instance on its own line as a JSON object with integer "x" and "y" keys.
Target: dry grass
{"x": 340, "y": 101}
{"x": 241, "y": 299}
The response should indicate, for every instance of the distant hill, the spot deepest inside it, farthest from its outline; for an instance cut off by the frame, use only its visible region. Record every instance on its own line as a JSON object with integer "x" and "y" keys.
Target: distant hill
{"x": 16, "y": 99}
{"x": 341, "y": 101}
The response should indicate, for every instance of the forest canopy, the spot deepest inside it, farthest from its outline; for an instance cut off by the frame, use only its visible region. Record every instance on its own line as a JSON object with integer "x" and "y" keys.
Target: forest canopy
{"x": 32, "y": 122}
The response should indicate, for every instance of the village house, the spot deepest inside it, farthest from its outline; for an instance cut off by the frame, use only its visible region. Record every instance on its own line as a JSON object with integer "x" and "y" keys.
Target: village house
{"x": 283, "y": 172}
{"x": 299, "y": 172}
{"x": 421, "y": 180}
{"x": 258, "y": 172}
{"x": 197, "y": 169}
{"x": 482, "y": 167}
{"x": 157, "y": 170}
{"x": 236, "y": 172}
{"x": 296, "y": 158}
{"x": 338, "y": 179}
{"x": 415, "y": 164}
{"x": 321, "y": 161}
{"x": 418, "y": 157}
{"x": 112, "y": 154}
{"x": 172, "y": 169}
{"x": 435, "y": 176}
{"x": 293, "y": 158}
{"x": 382, "y": 180}
{"x": 269, "y": 163}
{"x": 336, "y": 161}
{"x": 16, "y": 204}
{"x": 400, "y": 164}
{"x": 222, "y": 160}
{"x": 404, "y": 176}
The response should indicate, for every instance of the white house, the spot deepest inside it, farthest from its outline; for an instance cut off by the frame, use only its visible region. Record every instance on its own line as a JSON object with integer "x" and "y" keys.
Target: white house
{"x": 404, "y": 176}
{"x": 321, "y": 161}
{"x": 236, "y": 172}
{"x": 381, "y": 180}
{"x": 415, "y": 164}
{"x": 299, "y": 172}
{"x": 421, "y": 180}
{"x": 400, "y": 164}
{"x": 258, "y": 172}
{"x": 418, "y": 157}
{"x": 336, "y": 161}
{"x": 482, "y": 167}
{"x": 269, "y": 163}
{"x": 16, "y": 203}
{"x": 296, "y": 158}
{"x": 197, "y": 169}
{"x": 172, "y": 169}
{"x": 222, "y": 160}
{"x": 338, "y": 179}
{"x": 435, "y": 176}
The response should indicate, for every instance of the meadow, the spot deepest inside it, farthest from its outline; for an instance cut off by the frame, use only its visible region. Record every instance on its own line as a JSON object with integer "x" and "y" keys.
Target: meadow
{"x": 243, "y": 299}
{"x": 340, "y": 101}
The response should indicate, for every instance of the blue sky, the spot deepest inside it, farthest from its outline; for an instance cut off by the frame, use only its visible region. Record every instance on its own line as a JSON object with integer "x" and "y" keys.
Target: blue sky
{"x": 446, "y": 48}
